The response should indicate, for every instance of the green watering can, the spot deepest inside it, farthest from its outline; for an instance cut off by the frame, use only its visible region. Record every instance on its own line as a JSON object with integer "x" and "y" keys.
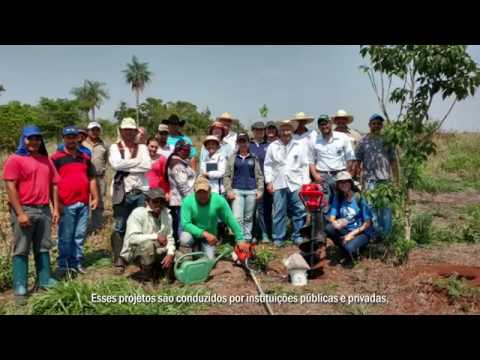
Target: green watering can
{"x": 195, "y": 271}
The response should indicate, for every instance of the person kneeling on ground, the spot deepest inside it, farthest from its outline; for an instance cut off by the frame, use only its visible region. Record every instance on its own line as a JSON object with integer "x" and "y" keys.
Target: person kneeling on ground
{"x": 149, "y": 239}
{"x": 200, "y": 213}
{"x": 350, "y": 217}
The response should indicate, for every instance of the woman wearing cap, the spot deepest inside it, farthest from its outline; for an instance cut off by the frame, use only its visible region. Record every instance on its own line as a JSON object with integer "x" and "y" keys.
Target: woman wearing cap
{"x": 181, "y": 178}
{"x": 156, "y": 175}
{"x": 213, "y": 166}
{"x": 350, "y": 217}
{"x": 217, "y": 129}
{"x": 244, "y": 184}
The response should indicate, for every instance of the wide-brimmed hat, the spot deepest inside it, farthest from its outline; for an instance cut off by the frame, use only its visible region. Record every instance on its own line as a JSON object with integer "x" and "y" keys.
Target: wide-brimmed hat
{"x": 226, "y": 116}
{"x": 302, "y": 117}
{"x": 128, "y": 123}
{"x": 217, "y": 124}
{"x": 162, "y": 128}
{"x": 174, "y": 120}
{"x": 211, "y": 138}
{"x": 343, "y": 175}
{"x": 289, "y": 122}
{"x": 342, "y": 114}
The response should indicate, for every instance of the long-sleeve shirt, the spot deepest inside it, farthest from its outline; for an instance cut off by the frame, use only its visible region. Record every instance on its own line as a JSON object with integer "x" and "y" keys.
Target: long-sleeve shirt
{"x": 136, "y": 167}
{"x": 197, "y": 218}
{"x": 225, "y": 149}
{"x": 142, "y": 226}
{"x": 243, "y": 173}
{"x": 287, "y": 166}
{"x": 214, "y": 166}
{"x": 181, "y": 178}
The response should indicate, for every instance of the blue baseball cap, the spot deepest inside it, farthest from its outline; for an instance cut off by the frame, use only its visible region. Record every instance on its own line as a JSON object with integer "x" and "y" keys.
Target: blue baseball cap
{"x": 31, "y": 130}
{"x": 376, "y": 117}
{"x": 70, "y": 130}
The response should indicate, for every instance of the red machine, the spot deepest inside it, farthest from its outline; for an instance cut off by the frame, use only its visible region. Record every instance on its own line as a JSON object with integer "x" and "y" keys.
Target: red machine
{"x": 314, "y": 250}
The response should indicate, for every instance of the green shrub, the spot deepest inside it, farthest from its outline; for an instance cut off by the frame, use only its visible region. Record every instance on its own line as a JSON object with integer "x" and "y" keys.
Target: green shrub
{"x": 422, "y": 228}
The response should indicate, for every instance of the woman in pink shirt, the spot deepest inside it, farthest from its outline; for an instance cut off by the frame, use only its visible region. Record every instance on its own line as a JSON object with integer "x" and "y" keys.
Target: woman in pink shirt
{"x": 156, "y": 175}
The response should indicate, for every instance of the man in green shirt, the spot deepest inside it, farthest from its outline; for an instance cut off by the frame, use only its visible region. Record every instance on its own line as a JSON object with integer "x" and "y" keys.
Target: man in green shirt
{"x": 200, "y": 214}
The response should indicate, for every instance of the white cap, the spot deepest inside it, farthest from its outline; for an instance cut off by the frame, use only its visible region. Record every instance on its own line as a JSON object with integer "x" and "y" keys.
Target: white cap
{"x": 128, "y": 123}
{"x": 94, "y": 124}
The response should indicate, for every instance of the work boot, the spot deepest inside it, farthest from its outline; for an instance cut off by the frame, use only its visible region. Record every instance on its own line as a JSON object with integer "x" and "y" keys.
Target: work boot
{"x": 20, "y": 278}
{"x": 42, "y": 265}
{"x": 117, "y": 244}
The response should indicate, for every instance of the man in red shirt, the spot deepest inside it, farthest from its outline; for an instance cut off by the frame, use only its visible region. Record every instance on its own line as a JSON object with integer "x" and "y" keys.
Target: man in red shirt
{"x": 31, "y": 183}
{"x": 77, "y": 182}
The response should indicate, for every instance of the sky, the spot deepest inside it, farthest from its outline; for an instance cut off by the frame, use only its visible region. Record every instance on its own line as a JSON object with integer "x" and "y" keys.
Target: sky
{"x": 315, "y": 79}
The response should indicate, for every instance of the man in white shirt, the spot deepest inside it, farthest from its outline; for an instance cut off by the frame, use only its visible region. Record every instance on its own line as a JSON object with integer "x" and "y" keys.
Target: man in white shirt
{"x": 227, "y": 120}
{"x": 332, "y": 153}
{"x": 286, "y": 169}
{"x": 308, "y": 136}
{"x": 130, "y": 161}
{"x": 149, "y": 238}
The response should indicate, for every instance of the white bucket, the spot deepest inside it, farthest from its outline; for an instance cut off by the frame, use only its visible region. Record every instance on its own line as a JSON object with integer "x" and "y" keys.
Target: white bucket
{"x": 298, "y": 277}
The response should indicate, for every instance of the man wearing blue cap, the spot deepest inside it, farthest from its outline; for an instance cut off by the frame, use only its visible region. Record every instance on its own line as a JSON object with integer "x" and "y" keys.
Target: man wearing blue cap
{"x": 31, "y": 184}
{"x": 77, "y": 188}
{"x": 377, "y": 162}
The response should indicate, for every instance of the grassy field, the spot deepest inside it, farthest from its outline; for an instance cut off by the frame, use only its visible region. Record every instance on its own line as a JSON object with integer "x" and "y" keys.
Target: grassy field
{"x": 446, "y": 229}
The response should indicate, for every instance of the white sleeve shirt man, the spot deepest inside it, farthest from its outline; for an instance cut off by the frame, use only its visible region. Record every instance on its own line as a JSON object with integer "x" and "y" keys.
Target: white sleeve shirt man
{"x": 143, "y": 227}
{"x": 137, "y": 167}
{"x": 287, "y": 166}
{"x": 332, "y": 155}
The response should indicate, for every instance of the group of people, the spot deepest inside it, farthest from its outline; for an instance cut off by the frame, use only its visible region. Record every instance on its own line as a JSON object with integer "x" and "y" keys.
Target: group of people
{"x": 168, "y": 198}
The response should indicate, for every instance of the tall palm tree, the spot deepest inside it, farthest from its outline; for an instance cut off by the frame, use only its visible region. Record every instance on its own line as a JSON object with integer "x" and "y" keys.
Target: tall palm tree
{"x": 91, "y": 95}
{"x": 137, "y": 75}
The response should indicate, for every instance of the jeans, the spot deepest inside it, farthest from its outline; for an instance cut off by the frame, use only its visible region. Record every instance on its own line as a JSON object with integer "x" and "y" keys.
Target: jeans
{"x": 260, "y": 226}
{"x": 187, "y": 240}
{"x": 382, "y": 218}
{"x": 72, "y": 231}
{"x": 243, "y": 208}
{"x": 352, "y": 247}
{"x": 288, "y": 203}
{"x": 267, "y": 203}
{"x": 122, "y": 211}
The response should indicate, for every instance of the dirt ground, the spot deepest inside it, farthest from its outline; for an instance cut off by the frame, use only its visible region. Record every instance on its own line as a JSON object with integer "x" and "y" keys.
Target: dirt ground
{"x": 412, "y": 288}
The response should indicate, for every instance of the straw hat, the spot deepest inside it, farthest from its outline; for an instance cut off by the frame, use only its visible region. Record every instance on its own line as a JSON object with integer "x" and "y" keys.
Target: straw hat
{"x": 302, "y": 117}
{"x": 226, "y": 116}
{"x": 128, "y": 123}
{"x": 342, "y": 114}
{"x": 290, "y": 122}
{"x": 211, "y": 138}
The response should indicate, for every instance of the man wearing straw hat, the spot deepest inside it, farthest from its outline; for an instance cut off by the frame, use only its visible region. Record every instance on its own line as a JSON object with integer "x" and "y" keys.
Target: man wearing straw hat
{"x": 302, "y": 133}
{"x": 227, "y": 120}
{"x": 131, "y": 161}
{"x": 341, "y": 120}
{"x": 286, "y": 169}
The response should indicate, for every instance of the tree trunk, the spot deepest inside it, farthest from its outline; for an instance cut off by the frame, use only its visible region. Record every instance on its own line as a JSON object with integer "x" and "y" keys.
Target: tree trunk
{"x": 137, "y": 95}
{"x": 408, "y": 216}
{"x": 93, "y": 113}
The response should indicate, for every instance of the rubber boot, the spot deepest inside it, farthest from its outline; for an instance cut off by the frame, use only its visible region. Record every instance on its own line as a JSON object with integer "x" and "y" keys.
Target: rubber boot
{"x": 117, "y": 244}
{"x": 44, "y": 274}
{"x": 20, "y": 278}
